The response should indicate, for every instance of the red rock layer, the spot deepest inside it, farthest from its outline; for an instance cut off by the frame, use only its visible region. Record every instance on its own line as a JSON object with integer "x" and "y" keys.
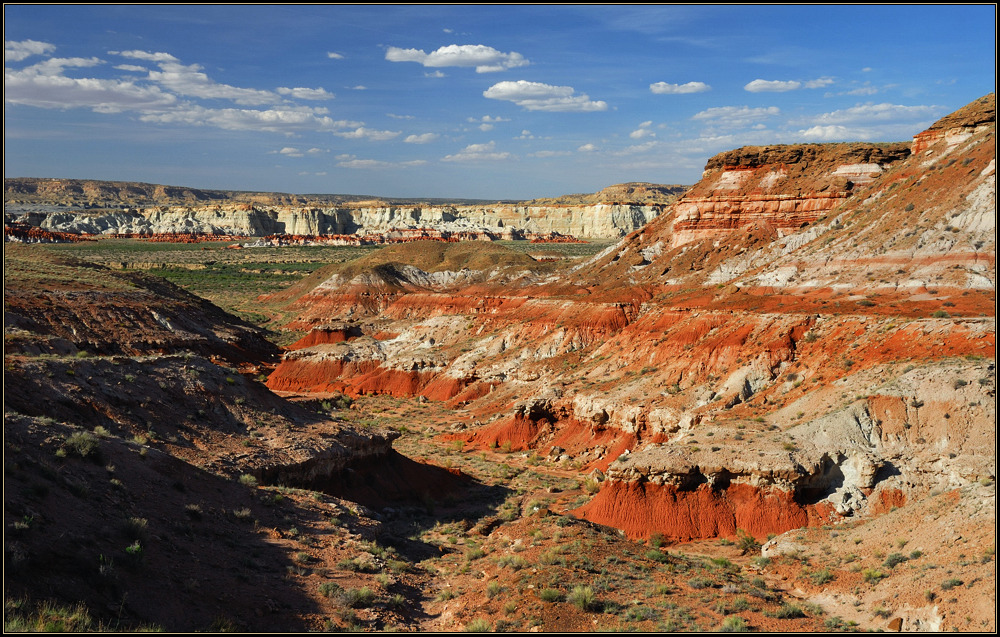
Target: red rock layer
{"x": 642, "y": 509}
{"x": 520, "y": 433}
{"x": 32, "y": 234}
{"x": 356, "y": 378}
{"x": 324, "y": 336}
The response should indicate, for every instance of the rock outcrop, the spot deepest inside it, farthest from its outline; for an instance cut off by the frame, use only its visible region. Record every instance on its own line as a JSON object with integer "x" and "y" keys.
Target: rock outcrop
{"x": 613, "y": 212}
{"x": 748, "y": 359}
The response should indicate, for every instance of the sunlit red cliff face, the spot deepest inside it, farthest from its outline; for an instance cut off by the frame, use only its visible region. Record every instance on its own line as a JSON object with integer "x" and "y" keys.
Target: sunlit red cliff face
{"x": 807, "y": 334}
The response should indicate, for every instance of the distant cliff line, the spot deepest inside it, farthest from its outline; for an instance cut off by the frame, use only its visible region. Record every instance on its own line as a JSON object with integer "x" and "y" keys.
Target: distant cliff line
{"x": 117, "y": 208}
{"x": 98, "y": 194}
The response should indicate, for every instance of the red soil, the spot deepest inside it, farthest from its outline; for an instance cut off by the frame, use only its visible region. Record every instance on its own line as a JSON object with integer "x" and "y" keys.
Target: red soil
{"x": 324, "y": 336}
{"x": 642, "y": 509}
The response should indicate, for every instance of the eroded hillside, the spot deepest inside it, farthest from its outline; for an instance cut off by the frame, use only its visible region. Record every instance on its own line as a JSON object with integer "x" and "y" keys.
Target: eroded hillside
{"x": 807, "y": 337}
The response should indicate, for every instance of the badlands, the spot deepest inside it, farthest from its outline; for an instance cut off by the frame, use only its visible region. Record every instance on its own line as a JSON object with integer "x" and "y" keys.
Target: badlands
{"x": 768, "y": 404}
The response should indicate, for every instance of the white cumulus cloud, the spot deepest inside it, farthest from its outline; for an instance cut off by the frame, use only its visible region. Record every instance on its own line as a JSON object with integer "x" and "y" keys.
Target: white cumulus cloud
{"x": 350, "y": 161}
{"x": 145, "y": 55}
{"x": 819, "y": 82}
{"x": 542, "y": 154}
{"x": 663, "y": 88}
{"x": 736, "y": 115}
{"x": 362, "y": 132}
{"x": 17, "y": 51}
{"x": 536, "y": 96}
{"x": 869, "y": 112}
{"x": 425, "y": 138}
{"x": 586, "y": 148}
{"x": 772, "y": 86}
{"x": 334, "y": 56}
{"x": 828, "y": 133}
{"x": 642, "y": 131}
{"x": 306, "y": 93}
{"x": 478, "y": 152}
{"x": 781, "y": 86}
{"x": 278, "y": 120}
{"x": 484, "y": 58}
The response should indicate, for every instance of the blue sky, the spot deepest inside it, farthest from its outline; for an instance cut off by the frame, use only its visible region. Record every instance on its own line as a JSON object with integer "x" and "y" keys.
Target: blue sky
{"x": 493, "y": 102}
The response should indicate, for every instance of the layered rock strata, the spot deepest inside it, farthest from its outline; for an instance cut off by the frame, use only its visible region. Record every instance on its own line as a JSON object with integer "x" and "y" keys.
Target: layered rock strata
{"x": 772, "y": 342}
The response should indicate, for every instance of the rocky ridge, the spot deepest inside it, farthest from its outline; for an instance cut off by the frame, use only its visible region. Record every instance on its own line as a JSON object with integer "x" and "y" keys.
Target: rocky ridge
{"x": 612, "y": 212}
{"x": 688, "y": 338}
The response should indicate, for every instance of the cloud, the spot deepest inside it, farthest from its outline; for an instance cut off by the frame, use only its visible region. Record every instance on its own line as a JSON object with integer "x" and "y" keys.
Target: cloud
{"x": 639, "y": 148}
{"x": 394, "y": 116}
{"x": 306, "y": 93}
{"x": 334, "y": 56}
{"x": 288, "y": 151}
{"x": 366, "y": 133}
{"x": 642, "y": 131}
{"x": 187, "y": 79}
{"x": 864, "y": 113}
{"x": 525, "y": 134}
{"x": 359, "y": 87}
{"x": 435, "y": 74}
{"x": 735, "y": 115}
{"x": 772, "y": 86}
{"x": 145, "y": 55}
{"x": 488, "y": 119}
{"x": 819, "y": 82}
{"x": 484, "y": 58}
{"x": 277, "y": 120}
{"x": 550, "y": 153}
{"x": 478, "y": 152}
{"x": 43, "y": 86}
{"x": 781, "y": 86}
{"x": 586, "y": 148}
{"x": 861, "y": 90}
{"x": 349, "y": 161}
{"x": 486, "y": 127}
{"x": 535, "y": 96}
{"x": 17, "y": 51}
{"x": 832, "y": 132}
{"x": 158, "y": 96}
{"x": 425, "y": 138}
{"x": 662, "y": 88}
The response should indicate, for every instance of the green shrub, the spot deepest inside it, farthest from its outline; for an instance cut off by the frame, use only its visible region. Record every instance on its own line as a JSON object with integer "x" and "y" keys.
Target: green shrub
{"x": 949, "y": 584}
{"x": 872, "y": 575}
{"x": 821, "y": 577}
{"x": 550, "y": 595}
{"x": 493, "y": 589}
{"x": 893, "y": 560}
{"x": 746, "y": 542}
{"x": 583, "y": 598}
{"x": 787, "y": 611}
{"x": 699, "y": 583}
{"x": 478, "y": 626}
{"x": 359, "y": 598}
{"x": 329, "y": 589}
{"x": 734, "y": 624}
{"x": 248, "y": 480}
{"x": 81, "y": 443}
